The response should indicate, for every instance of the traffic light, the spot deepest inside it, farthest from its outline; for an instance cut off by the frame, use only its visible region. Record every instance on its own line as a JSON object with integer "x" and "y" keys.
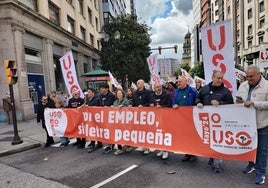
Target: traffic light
{"x": 176, "y": 48}
{"x": 159, "y": 49}
{"x": 11, "y": 72}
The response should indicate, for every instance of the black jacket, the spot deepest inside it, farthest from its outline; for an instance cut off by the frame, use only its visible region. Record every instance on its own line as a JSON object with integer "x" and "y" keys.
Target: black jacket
{"x": 143, "y": 97}
{"x": 40, "y": 113}
{"x": 106, "y": 100}
{"x": 94, "y": 101}
{"x": 74, "y": 103}
{"x": 163, "y": 100}
{"x": 208, "y": 93}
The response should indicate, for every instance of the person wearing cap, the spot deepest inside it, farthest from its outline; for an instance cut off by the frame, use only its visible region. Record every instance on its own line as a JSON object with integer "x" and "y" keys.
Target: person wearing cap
{"x": 75, "y": 102}
{"x": 7, "y": 106}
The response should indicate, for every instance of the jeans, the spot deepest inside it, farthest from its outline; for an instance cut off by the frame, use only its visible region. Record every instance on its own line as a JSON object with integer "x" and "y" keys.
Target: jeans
{"x": 262, "y": 151}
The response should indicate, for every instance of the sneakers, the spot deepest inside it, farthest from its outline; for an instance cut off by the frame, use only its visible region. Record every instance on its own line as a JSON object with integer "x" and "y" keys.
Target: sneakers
{"x": 259, "y": 179}
{"x": 165, "y": 155}
{"x": 210, "y": 161}
{"x": 146, "y": 151}
{"x": 108, "y": 149}
{"x": 129, "y": 149}
{"x": 249, "y": 169}
{"x": 185, "y": 158}
{"x": 217, "y": 169}
{"x": 90, "y": 149}
{"x": 118, "y": 152}
{"x": 159, "y": 154}
{"x": 64, "y": 144}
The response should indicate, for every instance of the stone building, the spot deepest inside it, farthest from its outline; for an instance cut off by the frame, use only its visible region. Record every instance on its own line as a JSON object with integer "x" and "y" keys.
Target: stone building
{"x": 36, "y": 33}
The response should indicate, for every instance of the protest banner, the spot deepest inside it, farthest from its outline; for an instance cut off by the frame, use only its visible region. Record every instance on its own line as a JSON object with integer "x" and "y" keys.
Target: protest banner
{"x": 211, "y": 131}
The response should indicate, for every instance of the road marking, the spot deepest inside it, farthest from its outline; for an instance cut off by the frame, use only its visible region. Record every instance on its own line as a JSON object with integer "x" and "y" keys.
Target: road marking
{"x": 114, "y": 177}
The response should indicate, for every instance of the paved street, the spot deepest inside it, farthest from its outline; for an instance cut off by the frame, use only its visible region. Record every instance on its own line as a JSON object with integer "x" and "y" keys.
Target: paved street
{"x": 72, "y": 167}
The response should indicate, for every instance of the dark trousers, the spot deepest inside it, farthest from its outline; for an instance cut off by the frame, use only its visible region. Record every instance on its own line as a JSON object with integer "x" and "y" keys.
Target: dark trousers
{"x": 50, "y": 139}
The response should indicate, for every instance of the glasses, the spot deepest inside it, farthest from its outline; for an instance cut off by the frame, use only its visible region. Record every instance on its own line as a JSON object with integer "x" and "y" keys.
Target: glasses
{"x": 250, "y": 76}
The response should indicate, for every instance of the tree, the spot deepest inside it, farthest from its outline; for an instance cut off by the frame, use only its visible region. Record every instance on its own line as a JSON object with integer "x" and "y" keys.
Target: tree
{"x": 127, "y": 55}
{"x": 184, "y": 66}
{"x": 197, "y": 70}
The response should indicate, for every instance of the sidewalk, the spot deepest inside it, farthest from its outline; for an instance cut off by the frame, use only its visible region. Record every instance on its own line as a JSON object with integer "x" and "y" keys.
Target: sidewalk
{"x": 29, "y": 132}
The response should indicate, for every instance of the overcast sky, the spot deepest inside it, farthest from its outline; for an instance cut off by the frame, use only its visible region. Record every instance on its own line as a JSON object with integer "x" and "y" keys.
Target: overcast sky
{"x": 169, "y": 21}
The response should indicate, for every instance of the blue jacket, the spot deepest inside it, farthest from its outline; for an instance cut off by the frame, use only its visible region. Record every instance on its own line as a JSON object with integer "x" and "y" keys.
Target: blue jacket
{"x": 190, "y": 97}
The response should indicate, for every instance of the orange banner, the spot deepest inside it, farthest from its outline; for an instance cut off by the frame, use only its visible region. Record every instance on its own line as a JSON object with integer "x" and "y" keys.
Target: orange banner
{"x": 216, "y": 132}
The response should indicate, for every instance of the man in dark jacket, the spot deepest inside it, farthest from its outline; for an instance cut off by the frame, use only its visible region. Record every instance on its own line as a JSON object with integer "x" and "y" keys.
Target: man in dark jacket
{"x": 106, "y": 98}
{"x": 142, "y": 97}
{"x": 161, "y": 99}
{"x": 93, "y": 100}
{"x": 75, "y": 102}
{"x": 41, "y": 118}
{"x": 214, "y": 93}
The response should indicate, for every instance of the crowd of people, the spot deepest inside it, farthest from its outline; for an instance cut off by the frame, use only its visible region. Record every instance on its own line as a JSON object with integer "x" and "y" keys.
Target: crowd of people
{"x": 253, "y": 93}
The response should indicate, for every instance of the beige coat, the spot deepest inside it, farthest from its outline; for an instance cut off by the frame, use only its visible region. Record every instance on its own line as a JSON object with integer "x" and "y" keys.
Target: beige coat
{"x": 259, "y": 96}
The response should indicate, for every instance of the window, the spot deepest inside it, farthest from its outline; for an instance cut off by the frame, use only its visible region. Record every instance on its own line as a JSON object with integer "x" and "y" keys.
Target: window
{"x": 97, "y": 24}
{"x": 249, "y": 43}
{"x": 96, "y": 4}
{"x": 262, "y": 22}
{"x": 54, "y": 14}
{"x": 89, "y": 12}
{"x": 238, "y": 32}
{"x": 70, "y": 24}
{"x": 216, "y": 12}
{"x": 83, "y": 33}
{"x": 260, "y": 39}
{"x": 30, "y": 3}
{"x": 250, "y": 30}
{"x": 261, "y": 8}
{"x": 228, "y": 10}
{"x": 80, "y": 7}
{"x": 237, "y": 19}
{"x": 249, "y": 1}
{"x": 91, "y": 39}
{"x": 216, "y": 3}
{"x": 249, "y": 13}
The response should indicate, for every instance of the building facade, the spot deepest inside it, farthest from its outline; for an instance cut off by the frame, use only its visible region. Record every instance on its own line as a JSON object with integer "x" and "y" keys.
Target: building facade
{"x": 36, "y": 33}
{"x": 249, "y": 25}
{"x": 186, "y": 54}
{"x": 167, "y": 66}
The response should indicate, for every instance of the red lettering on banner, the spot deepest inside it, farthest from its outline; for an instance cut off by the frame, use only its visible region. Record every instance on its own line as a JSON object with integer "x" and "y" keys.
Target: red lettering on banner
{"x": 241, "y": 138}
{"x": 222, "y": 42}
{"x": 70, "y": 78}
{"x": 69, "y": 75}
{"x": 204, "y": 118}
{"x": 65, "y": 65}
{"x": 215, "y": 62}
{"x": 218, "y": 58}
{"x": 264, "y": 56}
{"x": 151, "y": 62}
